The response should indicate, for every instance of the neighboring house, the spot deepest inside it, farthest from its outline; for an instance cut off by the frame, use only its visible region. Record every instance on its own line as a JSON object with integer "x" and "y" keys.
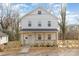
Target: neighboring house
{"x": 39, "y": 27}
{"x": 3, "y": 38}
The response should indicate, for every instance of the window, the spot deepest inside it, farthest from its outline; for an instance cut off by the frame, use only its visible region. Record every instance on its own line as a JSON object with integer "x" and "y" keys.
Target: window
{"x": 29, "y": 23}
{"x": 39, "y": 12}
{"x": 26, "y": 37}
{"x": 39, "y": 37}
{"x": 39, "y": 24}
{"x": 49, "y": 23}
{"x": 49, "y": 36}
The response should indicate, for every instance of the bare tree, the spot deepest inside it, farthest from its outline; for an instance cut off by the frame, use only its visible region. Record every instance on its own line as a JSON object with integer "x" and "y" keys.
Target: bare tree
{"x": 62, "y": 23}
{"x": 9, "y": 23}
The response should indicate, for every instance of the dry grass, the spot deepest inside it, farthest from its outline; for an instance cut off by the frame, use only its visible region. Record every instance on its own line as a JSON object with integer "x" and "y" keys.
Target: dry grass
{"x": 42, "y": 49}
{"x": 12, "y": 46}
{"x": 68, "y": 43}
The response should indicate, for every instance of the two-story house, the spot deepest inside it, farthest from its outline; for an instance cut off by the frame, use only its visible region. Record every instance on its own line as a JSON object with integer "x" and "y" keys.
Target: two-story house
{"x": 39, "y": 27}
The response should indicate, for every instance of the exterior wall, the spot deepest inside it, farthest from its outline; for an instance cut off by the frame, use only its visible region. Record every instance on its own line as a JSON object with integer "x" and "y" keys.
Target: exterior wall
{"x": 3, "y": 39}
{"x": 39, "y": 18}
{"x": 34, "y": 17}
{"x": 34, "y": 37}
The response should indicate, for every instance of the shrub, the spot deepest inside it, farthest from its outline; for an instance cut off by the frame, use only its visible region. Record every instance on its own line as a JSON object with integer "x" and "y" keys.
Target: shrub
{"x": 12, "y": 44}
{"x": 51, "y": 45}
{"x": 48, "y": 45}
{"x": 36, "y": 45}
{"x": 42, "y": 45}
{"x": 5, "y": 43}
{"x": 45, "y": 45}
{"x": 55, "y": 44}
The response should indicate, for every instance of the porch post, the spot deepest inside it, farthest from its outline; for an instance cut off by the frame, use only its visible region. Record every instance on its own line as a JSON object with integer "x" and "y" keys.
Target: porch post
{"x": 35, "y": 38}
{"x": 57, "y": 38}
{"x": 44, "y": 37}
{"x": 23, "y": 40}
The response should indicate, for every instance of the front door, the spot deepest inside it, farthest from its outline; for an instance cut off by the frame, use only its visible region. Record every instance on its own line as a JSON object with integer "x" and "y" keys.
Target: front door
{"x": 30, "y": 38}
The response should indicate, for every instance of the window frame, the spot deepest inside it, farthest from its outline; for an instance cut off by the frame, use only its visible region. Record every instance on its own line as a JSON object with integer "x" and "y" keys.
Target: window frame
{"x": 39, "y": 24}
{"x": 29, "y": 24}
{"x": 39, "y": 12}
{"x": 26, "y": 37}
{"x": 39, "y": 37}
{"x": 49, "y": 36}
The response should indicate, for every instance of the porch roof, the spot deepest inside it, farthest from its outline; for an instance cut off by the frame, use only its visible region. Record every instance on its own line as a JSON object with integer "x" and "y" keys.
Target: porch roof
{"x": 39, "y": 30}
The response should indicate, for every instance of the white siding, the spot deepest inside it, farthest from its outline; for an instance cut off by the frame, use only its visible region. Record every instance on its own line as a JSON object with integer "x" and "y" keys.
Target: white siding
{"x": 34, "y": 38}
{"x": 35, "y": 19}
{"x": 43, "y": 18}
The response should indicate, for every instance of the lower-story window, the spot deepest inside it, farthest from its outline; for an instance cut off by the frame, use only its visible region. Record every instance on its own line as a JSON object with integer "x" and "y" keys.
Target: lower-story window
{"x": 26, "y": 37}
{"x": 49, "y": 36}
{"x": 39, "y": 37}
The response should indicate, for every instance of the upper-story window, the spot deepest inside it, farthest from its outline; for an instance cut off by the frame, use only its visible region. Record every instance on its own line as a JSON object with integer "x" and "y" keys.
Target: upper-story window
{"x": 49, "y": 23}
{"x": 49, "y": 36}
{"x": 39, "y": 12}
{"x": 29, "y": 24}
{"x": 39, "y": 24}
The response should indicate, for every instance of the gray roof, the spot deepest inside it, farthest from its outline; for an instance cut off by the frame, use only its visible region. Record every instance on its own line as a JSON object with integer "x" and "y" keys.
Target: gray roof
{"x": 2, "y": 34}
{"x": 39, "y": 30}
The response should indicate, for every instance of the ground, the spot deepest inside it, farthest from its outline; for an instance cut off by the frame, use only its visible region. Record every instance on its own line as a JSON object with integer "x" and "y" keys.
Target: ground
{"x": 15, "y": 49}
{"x": 45, "y": 51}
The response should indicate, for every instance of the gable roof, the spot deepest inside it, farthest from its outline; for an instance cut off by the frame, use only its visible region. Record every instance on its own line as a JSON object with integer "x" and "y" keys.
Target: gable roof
{"x": 36, "y": 9}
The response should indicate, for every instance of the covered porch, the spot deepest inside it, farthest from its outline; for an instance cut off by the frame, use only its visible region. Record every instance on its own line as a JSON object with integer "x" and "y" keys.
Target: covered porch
{"x": 39, "y": 37}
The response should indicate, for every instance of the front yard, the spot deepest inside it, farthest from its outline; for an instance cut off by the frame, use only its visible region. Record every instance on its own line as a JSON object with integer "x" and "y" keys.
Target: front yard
{"x": 67, "y": 47}
{"x": 10, "y": 47}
